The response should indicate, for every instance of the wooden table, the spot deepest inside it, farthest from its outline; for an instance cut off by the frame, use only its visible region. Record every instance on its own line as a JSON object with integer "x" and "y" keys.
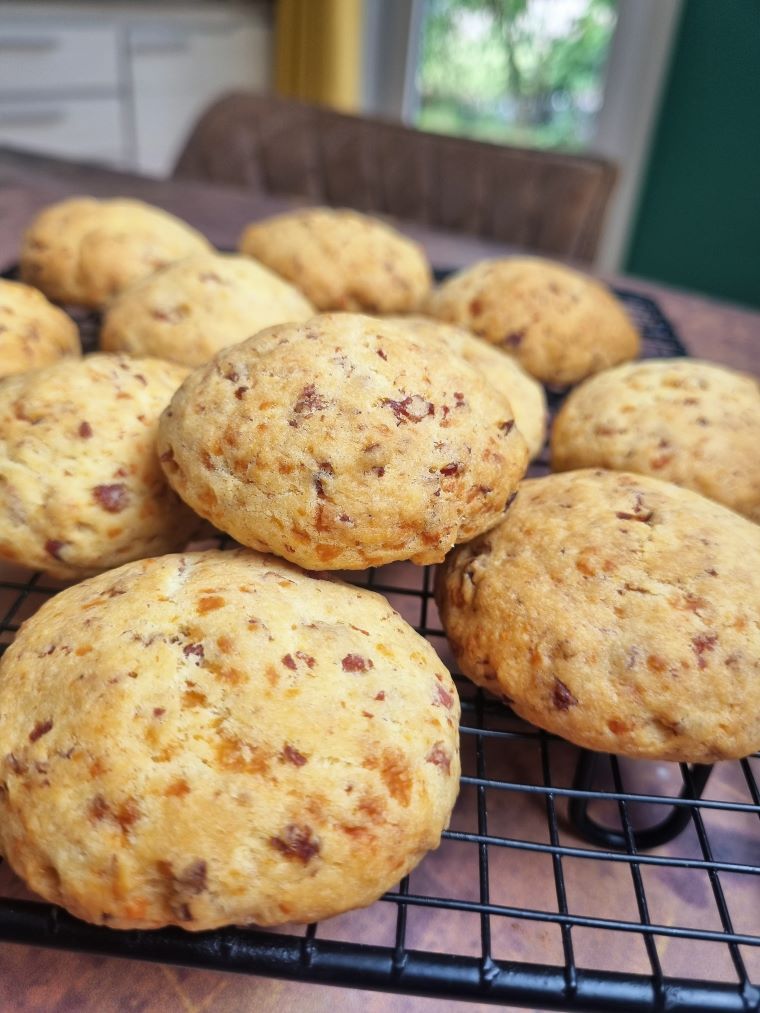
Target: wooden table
{"x": 33, "y": 979}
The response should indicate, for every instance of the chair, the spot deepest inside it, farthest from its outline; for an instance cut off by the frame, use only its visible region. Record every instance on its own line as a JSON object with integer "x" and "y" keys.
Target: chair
{"x": 543, "y": 201}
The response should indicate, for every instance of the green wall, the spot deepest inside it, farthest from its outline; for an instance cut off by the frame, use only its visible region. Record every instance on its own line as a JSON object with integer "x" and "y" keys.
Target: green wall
{"x": 698, "y": 223}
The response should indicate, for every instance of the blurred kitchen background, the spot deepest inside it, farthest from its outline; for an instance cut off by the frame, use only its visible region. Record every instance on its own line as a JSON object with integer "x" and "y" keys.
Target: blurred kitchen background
{"x": 668, "y": 90}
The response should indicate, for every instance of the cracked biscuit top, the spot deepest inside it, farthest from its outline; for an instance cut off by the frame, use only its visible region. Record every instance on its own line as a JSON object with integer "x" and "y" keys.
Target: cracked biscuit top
{"x": 191, "y": 309}
{"x": 84, "y": 251}
{"x": 525, "y": 394}
{"x": 559, "y": 324}
{"x": 693, "y": 423}
{"x": 218, "y": 738}
{"x": 617, "y": 611}
{"x": 33, "y": 333}
{"x": 81, "y": 487}
{"x": 342, "y": 259}
{"x": 342, "y": 443}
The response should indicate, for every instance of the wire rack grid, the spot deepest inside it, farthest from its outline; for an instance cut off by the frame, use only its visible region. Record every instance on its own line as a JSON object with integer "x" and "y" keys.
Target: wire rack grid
{"x": 540, "y": 894}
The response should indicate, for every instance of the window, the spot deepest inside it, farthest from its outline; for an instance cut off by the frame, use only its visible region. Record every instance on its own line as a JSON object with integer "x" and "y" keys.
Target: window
{"x": 525, "y": 72}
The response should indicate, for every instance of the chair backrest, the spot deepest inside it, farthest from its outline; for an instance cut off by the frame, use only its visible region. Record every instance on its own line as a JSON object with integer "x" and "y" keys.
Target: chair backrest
{"x": 543, "y": 201}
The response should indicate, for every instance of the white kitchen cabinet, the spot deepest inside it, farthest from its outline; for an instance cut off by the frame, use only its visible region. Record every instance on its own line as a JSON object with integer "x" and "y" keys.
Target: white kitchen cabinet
{"x": 38, "y": 57}
{"x": 89, "y": 128}
{"x": 178, "y": 73}
{"x": 123, "y": 83}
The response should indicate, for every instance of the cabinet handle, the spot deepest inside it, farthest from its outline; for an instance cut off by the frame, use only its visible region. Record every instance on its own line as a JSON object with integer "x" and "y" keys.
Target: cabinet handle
{"x": 28, "y": 43}
{"x": 31, "y": 117}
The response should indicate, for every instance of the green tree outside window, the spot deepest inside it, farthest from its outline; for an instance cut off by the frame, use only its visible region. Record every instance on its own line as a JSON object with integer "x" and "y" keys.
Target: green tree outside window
{"x": 525, "y": 72}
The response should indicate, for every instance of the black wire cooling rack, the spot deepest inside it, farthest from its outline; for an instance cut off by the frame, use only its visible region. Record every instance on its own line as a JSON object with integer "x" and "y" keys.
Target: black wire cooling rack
{"x": 543, "y": 892}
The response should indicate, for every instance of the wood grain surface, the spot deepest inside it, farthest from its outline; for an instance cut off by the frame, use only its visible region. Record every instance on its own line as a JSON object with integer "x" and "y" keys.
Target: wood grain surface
{"x": 33, "y": 979}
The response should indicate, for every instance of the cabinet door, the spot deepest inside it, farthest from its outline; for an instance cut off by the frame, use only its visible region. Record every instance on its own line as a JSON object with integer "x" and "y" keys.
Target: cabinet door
{"x": 39, "y": 58}
{"x": 85, "y": 129}
{"x": 179, "y": 70}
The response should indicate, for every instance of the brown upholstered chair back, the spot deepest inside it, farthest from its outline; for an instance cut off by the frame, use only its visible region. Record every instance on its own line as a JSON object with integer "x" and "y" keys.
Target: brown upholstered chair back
{"x": 543, "y": 201}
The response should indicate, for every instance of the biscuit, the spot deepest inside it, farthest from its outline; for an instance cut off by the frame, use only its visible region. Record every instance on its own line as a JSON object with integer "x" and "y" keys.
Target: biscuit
{"x": 81, "y": 487}
{"x": 618, "y": 611}
{"x": 218, "y": 738}
{"x": 33, "y": 333}
{"x": 525, "y": 394}
{"x": 189, "y": 310}
{"x": 693, "y": 423}
{"x": 559, "y": 324}
{"x": 342, "y": 260}
{"x": 342, "y": 443}
{"x": 84, "y": 251}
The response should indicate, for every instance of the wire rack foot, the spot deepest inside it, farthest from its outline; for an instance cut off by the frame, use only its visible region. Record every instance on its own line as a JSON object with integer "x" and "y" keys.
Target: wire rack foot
{"x": 649, "y": 837}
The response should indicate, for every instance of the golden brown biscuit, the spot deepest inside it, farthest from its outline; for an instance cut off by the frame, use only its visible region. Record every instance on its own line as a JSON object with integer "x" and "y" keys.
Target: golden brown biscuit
{"x": 617, "y": 611}
{"x": 693, "y": 423}
{"x": 81, "y": 488}
{"x": 189, "y": 310}
{"x": 342, "y": 443}
{"x": 342, "y": 260}
{"x": 559, "y": 324}
{"x": 218, "y": 738}
{"x": 84, "y": 251}
{"x": 525, "y": 394}
{"x": 32, "y": 332}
